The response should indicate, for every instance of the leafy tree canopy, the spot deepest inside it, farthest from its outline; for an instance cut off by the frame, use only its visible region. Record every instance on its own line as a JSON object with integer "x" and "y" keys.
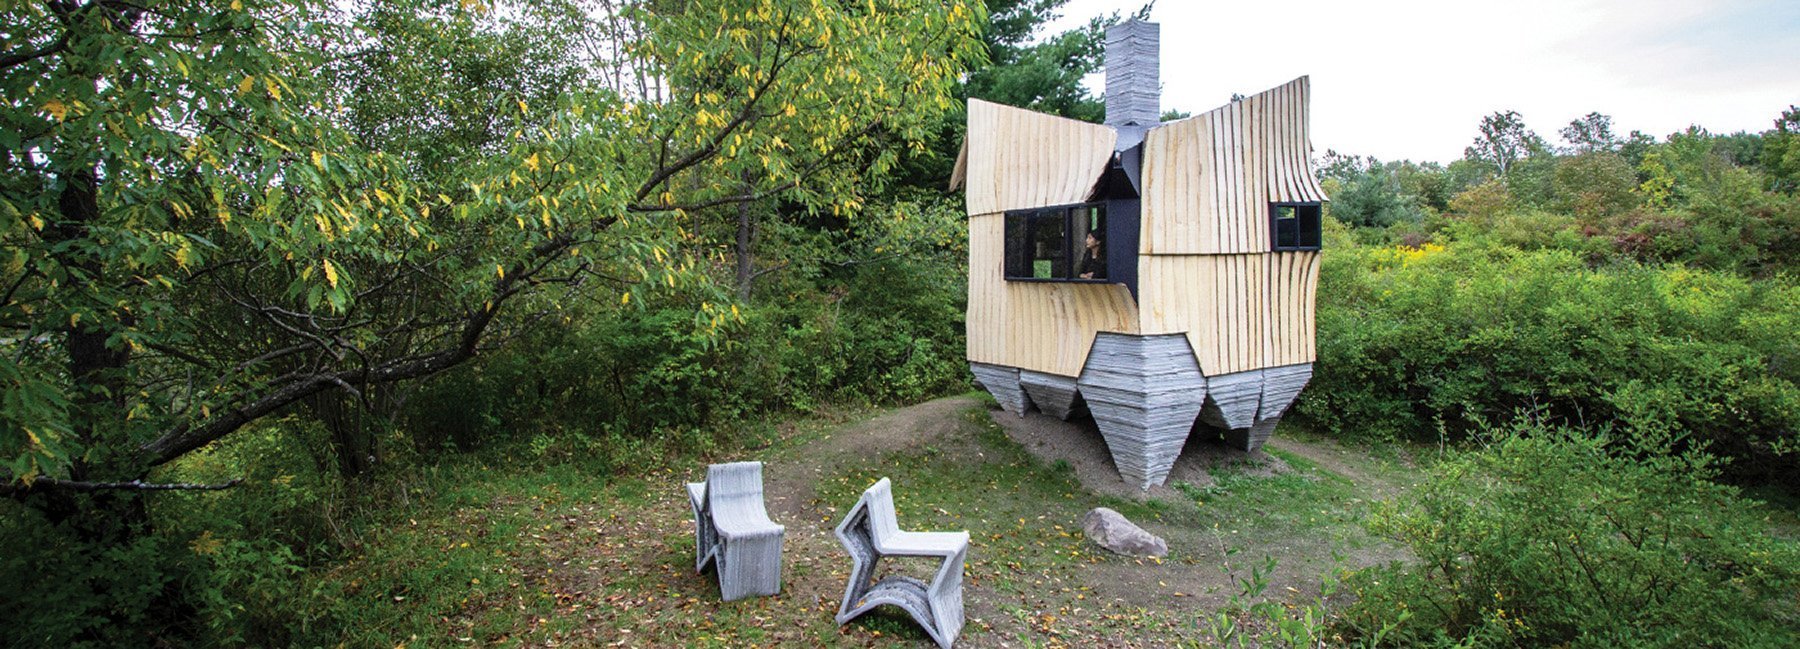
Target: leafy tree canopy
{"x": 213, "y": 210}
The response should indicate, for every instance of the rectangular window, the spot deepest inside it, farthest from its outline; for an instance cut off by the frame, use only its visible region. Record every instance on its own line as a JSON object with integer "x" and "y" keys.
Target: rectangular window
{"x": 1053, "y": 244}
{"x": 1295, "y": 226}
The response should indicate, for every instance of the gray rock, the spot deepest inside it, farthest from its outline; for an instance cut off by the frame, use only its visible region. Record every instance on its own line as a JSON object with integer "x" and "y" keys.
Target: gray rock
{"x": 1111, "y": 530}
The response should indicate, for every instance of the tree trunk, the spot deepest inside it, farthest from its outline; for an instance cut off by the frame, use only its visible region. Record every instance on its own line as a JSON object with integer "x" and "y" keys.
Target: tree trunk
{"x": 746, "y": 262}
{"x": 96, "y": 372}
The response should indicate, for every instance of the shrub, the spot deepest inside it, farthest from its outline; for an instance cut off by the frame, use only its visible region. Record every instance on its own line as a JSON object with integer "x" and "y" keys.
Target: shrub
{"x": 1418, "y": 343}
{"x": 1549, "y": 537}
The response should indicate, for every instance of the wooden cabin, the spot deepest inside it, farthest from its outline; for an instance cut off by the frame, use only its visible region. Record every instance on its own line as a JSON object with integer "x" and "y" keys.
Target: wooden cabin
{"x": 1191, "y": 303}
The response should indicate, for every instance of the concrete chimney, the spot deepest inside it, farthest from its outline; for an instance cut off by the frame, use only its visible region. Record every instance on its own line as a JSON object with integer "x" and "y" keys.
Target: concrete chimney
{"x": 1133, "y": 79}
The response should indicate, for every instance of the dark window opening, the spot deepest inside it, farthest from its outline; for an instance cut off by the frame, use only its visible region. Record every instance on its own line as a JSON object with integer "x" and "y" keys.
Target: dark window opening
{"x": 1058, "y": 243}
{"x": 1295, "y": 226}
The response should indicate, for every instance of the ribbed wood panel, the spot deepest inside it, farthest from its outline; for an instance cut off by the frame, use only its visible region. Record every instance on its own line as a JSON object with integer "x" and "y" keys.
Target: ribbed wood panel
{"x": 986, "y": 323}
{"x": 1053, "y": 323}
{"x": 1040, "y": 326}
{"x": 1018, "y": 159}
{"x": 1293, "y": 285}
{"x": 1240, "y": 312}
{"x": 1209, "y": 179}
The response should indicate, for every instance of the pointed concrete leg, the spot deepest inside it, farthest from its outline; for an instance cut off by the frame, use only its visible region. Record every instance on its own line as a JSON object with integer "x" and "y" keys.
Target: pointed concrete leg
{"x": 1252, "y": 438}
{"x": 1280, "y": 385}
{"x": 1144, "y": 392}
{"x": 1053, "y": 395}
{"x": 1003, "y": 383}
{"x": 1232, "y": 399}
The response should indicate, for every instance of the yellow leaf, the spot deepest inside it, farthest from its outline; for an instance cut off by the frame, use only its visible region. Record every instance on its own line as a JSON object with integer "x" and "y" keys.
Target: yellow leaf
{"x": 74, "y": 319}
{"x": 56, "y": 108}
{"x": 330, "y": 273}
{"x": 274, "y": 90}
{"x": 625, "y": 299}
{"x": 248, "y": 84}
{"x": 500, "y": 271}
{"x": 236, "y": 5}
{"x": 522, "y": 107}
{"x": 318, "y": 160}
{"x": 37, "y": 223}
{"x": 532, "y": 162}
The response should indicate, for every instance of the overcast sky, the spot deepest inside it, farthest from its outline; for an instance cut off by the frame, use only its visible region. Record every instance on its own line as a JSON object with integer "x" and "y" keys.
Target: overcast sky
{"x": 1412, "y": 78}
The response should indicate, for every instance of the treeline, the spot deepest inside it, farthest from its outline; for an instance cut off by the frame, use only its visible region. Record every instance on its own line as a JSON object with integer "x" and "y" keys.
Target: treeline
{"x": 1640, "y": 285}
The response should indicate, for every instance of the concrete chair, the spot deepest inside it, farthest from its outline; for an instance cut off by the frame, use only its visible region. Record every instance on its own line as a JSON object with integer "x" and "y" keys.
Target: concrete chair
{"x": 732, "y": 531}
{"x": 871, "y": 531}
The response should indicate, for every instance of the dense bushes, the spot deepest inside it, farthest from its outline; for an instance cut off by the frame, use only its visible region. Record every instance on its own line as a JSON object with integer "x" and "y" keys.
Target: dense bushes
{"x": 608, "y": 380}
{"x": 1418, "y": 343}
{"x": 1555, "y": 538}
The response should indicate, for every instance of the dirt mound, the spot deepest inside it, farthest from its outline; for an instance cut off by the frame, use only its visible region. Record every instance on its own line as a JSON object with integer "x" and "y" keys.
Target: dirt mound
{"x": 1078, "y": 444}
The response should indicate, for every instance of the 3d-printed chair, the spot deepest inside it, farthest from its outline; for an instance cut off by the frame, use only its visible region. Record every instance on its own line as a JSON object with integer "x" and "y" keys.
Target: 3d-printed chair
{"x": 871, "y": 531}
{"x": 732, "y": 531}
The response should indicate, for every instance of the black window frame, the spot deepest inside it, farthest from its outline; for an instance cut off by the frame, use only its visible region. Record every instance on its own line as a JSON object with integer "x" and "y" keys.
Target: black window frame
{"x": 1304, "y": 231}
{"x": 1017, "y": 255}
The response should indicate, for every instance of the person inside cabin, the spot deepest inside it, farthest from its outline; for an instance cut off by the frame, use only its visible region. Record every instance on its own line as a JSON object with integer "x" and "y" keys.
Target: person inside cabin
{"x": 1093, "y": 257}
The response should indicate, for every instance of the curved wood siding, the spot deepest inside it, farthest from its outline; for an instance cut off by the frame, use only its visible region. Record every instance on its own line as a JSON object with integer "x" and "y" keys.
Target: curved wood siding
{"x": 1041, "y": 326}
{"x": 1209, "y": 179}
{"x": 1240, "y": 312}
{"x": 1017, "y": 159}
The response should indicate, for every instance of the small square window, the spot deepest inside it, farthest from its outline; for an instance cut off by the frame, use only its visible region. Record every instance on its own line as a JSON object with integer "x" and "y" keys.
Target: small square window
{"x": 1295, "y": 226}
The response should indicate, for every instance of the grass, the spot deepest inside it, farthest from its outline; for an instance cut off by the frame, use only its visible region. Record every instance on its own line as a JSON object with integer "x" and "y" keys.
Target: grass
{"x": 504, "y": 555}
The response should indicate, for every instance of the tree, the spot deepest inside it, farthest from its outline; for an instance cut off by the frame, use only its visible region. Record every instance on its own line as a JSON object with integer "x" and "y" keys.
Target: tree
{"x": 1594, "y": 185}
{"x": 203, "y": 231}
{"x": 1591, "y": 133}
{"x": 1504, "y": 140}
{"x": 1044, "y": 76}
{"x": 1781, "y": 152}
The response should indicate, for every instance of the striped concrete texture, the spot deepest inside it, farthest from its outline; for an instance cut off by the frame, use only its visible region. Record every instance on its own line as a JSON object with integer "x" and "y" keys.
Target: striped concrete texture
{"x": 1146, "y": 394}
{"x": 1003, "y": 383}
{"x": 1053, "y": 395}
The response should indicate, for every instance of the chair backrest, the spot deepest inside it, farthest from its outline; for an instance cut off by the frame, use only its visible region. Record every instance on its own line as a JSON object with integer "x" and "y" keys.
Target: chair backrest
{"x": 734, "y": 481}
{"x": 884, "y": 522}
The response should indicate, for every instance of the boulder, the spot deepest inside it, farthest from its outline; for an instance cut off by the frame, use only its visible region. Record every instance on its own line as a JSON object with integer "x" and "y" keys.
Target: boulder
{"x": 1111, "y": 530}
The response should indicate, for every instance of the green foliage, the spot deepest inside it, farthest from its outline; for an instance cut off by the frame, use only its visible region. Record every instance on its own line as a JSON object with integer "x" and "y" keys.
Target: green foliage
{"x": 1549, "y": 537}
{"x": 1043, "y": 76}
{"x": 1428, "y": 342}
{"x": 1594, "y": 185}
{"x": 67, "y": 591}
{"x": 1781, "y": 152}
{"x": 1504, "y": 141}
{"x": 608, "y": 380}
{"x": 1368, "y": 193}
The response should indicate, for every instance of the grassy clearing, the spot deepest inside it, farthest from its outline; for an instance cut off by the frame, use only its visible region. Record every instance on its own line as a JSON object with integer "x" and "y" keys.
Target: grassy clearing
{"x": 499, "y": 556}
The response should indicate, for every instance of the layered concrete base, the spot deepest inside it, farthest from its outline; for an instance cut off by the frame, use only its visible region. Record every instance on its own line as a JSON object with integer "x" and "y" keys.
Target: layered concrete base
{"x": 1146, "y": 394}
{"x": 1003, "y": 383}
{"x": 1053, "y": 395}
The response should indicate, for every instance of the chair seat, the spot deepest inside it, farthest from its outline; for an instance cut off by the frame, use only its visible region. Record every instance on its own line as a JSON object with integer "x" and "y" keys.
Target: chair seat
{"x": 929, "y": 544}
{"x": 731, "y": 527}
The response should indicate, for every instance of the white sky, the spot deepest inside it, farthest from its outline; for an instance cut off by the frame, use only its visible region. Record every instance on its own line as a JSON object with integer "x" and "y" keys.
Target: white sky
{"x": 1411, "y": 79}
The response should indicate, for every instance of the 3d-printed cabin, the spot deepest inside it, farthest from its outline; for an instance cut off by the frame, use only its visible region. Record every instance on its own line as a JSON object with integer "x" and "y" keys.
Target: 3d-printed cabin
{"x": 1162, "y": 273}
